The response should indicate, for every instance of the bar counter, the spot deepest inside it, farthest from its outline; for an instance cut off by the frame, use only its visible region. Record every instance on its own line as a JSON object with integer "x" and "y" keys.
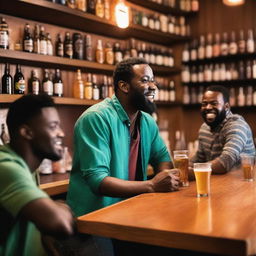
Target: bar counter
{"x": 223, "y": 223}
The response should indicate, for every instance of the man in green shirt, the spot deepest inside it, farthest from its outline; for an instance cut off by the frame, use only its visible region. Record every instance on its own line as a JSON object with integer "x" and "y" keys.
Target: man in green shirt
{"x": 25, "y": 210}
{"x": 115, "y": 140}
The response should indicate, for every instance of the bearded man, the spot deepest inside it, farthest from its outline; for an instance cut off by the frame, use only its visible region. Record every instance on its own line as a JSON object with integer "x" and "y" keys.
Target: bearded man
{"x": 223, "y": 136}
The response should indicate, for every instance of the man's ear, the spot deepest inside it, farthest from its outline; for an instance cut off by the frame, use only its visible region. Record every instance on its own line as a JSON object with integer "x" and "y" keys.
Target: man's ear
{"x": 227, "y": 106}
{"x": 123, "y": 86}
{"x": 26, "y": 132}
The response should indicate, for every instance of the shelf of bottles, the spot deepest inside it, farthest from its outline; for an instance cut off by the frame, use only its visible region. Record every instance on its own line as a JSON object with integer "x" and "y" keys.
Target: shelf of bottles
{"x": 183, "y": 7}
{"x": 84, "y": 17}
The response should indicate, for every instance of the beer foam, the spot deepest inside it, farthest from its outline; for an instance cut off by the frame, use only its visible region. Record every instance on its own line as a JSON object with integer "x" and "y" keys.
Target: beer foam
{"x": 202, "y": 169}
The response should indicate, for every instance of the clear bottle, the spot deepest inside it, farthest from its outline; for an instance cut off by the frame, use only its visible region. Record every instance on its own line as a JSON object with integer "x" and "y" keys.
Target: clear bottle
{"x": 172, "y": 92}
{"x": 201, "y": 48}
{"x": 224, "y": 45}
{"x": 78, "y": 86}
{"x": 43, "y": 41}
{"x": 99, "y": 52}
{"x": 233, "y": 48}
{"x": 185, "y": 53}
{"x": 7, "y": 87}
{"x": 57, "y": 84}
{"x": 99, "y": 9}
{"x": 49, "y": 44}
{"x": 59, "y": 46}
{"x": 250, "y": 44}
{"x": 19, "y": 81}
{"x": 209, "y": 47}
{"x": 95, "y": 88}
{"x": 68, "y": 46}
{"x": 27, "y": 39}
{"x": 4, "y": 34}
{"x": 241, "y": 97}
{"x": 47, "y": 84}
{"x": 34, "y": 83}
{"x": 88, "y": 87}
{"x": 216, "y": 45}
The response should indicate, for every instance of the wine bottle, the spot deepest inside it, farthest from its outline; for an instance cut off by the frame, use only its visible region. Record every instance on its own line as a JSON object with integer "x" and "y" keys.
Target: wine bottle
{"x": 19, "y": 81}
{"x": 7, "y": 87}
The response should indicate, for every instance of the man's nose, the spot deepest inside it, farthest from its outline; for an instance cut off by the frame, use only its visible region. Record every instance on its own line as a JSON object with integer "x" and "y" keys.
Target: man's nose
{"x": 61, "y": 133}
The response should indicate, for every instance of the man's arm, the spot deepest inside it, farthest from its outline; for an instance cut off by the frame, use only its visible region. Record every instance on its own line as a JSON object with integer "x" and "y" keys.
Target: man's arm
{"x": 50, "y": 217}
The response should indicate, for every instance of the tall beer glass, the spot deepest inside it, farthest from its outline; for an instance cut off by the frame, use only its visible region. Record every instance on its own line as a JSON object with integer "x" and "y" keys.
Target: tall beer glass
{"x": 247, "y": 163}
{"x": 203, "y": 173}
{"x": 181, "y": 162}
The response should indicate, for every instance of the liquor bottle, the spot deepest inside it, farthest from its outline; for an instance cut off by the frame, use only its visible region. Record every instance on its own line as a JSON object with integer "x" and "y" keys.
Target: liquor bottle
{"x": 57, "y": 84}
{"x": 254, "y": 96}
{"x": 91, "y": 5}
{"x": 4, "y": 34}
{"x": 49, "y": 44}
{"x": 201, "y": 48}
{"x": 172, "y": 93}
{"x": 170, "y": 24}
{"x": 182, "y": 26}
{"x": 78, "y": 86}
{"x": 95, "y": 88}
{"x": 7, "y": 87}
{"x": 159, "y": 57}
{"x": 88, "y": 87}
{"x": 99, "y": 52}
{"x": 59, "y": 46}
{"x": 68, "y": 46}
{"x": 171, "y": 58}
{"x": 106, "y": 10}
{"x": 180, "y": 142}
{"x": 241, "y": 97}
{"x": 233, "y": 48}
{"x": 104, "y": 88}
{"x": 249, "y": 95}
{"x": 110, "y": 87}
{"x": 248, "y": 70}
{"x": 157, "y": 24}
{"x": 43, "y": 41}
{"x": 193, "y": 50}
{"x": 194, "y": 5}
{"x": 254, "y": 69}
{"x": 34, "y": 83}
{"x": 118, "y": 56}
{"x": 216, "y": 45}
{"x": 241, "y": 71}
{"x": 109, "y": 54}
{"x": 78, "y": 48}
{"x": 88, "y": 48}
{"x": 71, "y": 4}
{"x": 209, "y": 47}
{"x": 216, "y": 73}
{"x": 27, "y": 39}
{"x": 81, "y": 5}
{"x": 250, "y": 45}
{"x": 224, "y": 45}
{"x": 152, "y": 59}
{"x": 133, "y": 50}
{"x": 241, "y": 42}
{"x": 36, "y": 39}
{"x": 47, "y": 84}
{"x": 185, "y": 53}
{"x": 232, "y": 98}
{"x": 99, "y": 9}
{"x": 19, "y": 81}
{"x": 4, "y": 136}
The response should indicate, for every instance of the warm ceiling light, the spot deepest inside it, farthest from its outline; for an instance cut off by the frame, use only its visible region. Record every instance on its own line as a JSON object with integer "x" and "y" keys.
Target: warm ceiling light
{"x": 233, "y": 2}
{"x": 122, "y": 14}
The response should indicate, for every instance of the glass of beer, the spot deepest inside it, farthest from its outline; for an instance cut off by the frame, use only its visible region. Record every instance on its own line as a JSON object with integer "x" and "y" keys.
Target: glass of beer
{"x": 181, "y": 162}
{"x": 202, "y": 173}
{"x": 247, "y": 163}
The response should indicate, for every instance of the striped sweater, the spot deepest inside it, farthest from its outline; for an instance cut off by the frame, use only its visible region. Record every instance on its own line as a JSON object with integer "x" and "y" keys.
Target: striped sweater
{"x": 226, "y": 142}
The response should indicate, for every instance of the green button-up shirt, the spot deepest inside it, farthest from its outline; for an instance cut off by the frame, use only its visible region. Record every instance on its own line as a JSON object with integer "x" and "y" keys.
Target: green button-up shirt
{"x": 101, "y": 148}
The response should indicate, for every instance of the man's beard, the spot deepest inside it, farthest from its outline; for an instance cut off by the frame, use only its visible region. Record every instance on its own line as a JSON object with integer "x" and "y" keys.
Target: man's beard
{"x": 220, "y": 116}
{"x": 141, "y": 102}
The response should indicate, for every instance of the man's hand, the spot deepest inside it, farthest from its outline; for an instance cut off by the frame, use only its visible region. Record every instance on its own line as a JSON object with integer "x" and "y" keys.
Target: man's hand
{"x": 166, "y": 181}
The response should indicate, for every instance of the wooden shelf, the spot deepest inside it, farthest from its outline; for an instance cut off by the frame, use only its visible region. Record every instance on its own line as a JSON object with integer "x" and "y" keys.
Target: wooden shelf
{"x": 6, "y": 98}
{"x": 221, "y": 59}
{"x": 168, "y": 104}
{"x": 57, "y": 14}
{"x": 32, "y": 59}
{"x": 239, "y": 82}
{"x": 161, "y": 8}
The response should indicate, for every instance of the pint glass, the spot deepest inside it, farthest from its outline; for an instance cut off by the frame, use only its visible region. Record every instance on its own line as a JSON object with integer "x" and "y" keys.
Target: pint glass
{"x": 202, "y": 172}
{"x": 247, "y": 163}
{"x": 181, "y": 162}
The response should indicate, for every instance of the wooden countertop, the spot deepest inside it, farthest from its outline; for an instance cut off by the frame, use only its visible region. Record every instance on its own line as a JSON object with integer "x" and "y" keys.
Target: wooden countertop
{"x": 54, "y": 184}
{"x": 224, "y": 223}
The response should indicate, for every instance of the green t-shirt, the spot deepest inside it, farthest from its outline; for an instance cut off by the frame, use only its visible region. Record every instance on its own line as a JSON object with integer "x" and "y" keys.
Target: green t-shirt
{"x": 102, "y": 145}
{"x": 17, "y": 188}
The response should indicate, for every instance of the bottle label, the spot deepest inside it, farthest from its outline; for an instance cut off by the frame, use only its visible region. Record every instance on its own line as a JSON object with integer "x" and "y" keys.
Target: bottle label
{"x": 69, "y": 50}
{"x": 48, "y": 87}
{"x": 49, "y": 48}
{"x": 35, "y": 87}
{"x": 96, "y": 94}
{"x": 109, "y": 57}
{"x": 43, "y": 47}
{"x": 28, "y": 45}
{"x": 88, "y": 92}
{"x": 60, "y": 50}
{"x": 20, "y": 85}
{"x": 58, "y": 88}
{"x": 4, "y": 39}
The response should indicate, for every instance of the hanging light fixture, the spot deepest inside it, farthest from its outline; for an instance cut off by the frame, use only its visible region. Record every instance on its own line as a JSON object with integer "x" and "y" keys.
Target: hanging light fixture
{"x": 122, "y": 14}
{"x": 233, "y": 2}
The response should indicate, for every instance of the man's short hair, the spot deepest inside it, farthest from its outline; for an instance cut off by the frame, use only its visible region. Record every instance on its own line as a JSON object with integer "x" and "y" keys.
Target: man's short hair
{"x": 124, "y": 70}
{"x": 221, "y": 89}
{"x": 25, "y": 108}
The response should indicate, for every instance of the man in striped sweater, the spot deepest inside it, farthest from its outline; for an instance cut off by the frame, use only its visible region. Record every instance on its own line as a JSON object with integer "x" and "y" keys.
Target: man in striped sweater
{"x": 223, "y": 136}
